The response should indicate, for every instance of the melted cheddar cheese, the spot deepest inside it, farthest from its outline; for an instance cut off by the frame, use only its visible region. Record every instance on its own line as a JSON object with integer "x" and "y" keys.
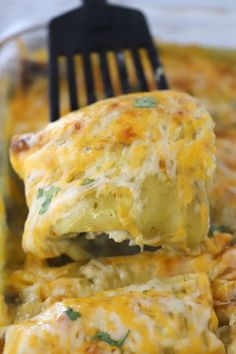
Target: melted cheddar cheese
{"x": 177, "y": 313}
{"x": 33, "y": 287}
{"x": 211, "y": 77}
{"x": 135, "y": 167}
{"x": 38, "y": 285}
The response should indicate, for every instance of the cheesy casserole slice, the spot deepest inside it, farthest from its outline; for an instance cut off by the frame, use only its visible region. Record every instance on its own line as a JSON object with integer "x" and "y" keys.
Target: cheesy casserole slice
{"x": 174, "y": 315}
{"x": 39, "y": 285}
{"x": 134, "y": 167}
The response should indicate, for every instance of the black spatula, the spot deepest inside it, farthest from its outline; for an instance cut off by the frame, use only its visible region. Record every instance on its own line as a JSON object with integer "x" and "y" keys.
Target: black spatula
{"x": 99, "y": 27}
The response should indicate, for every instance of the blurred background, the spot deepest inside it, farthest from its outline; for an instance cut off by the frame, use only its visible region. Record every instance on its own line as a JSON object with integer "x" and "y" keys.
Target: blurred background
{"x": 209, "y": 22}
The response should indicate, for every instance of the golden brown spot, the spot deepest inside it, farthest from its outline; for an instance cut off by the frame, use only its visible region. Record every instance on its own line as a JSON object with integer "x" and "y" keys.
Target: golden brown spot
{"x": 77, "y": 125}
{"x": 27, "y": 141}
{"x": 2, "y": 342}
{"x": 127, "y": 136}
{"x": 114, "y": 105}
{"x": 94, "y": 349}
{"x": 178, "y": 118}
{"x": 180, "y": 112}
{"x": 19, "y": 144}
{"x": 184, "y": 83}
{"x": 229, "y": 134}
{"x": 162, "y": 164}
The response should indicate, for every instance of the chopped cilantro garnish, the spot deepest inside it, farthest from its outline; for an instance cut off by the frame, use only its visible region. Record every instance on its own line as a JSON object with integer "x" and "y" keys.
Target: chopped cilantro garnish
{"x": 105, "y": 337}
{"x": 40, "y": 193}
{"x": 87, "y": 181}
{"x": 51, "y": 192}
{"x": 73, "y": 315}
{"x": 145, "y": 102}
{"x": 48, "y": 195}
{"x": 217, "y": 228}
{"x": 44, "y": 207}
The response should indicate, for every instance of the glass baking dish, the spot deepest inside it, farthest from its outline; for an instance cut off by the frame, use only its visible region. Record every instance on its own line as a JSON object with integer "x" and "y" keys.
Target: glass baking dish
{"x": 208, "y": 74}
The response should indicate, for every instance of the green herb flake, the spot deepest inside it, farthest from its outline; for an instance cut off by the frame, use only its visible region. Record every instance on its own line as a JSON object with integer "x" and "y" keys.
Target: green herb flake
{"x": 71, "y": 314}
{"x": 145, "y": 102}
{"x": 44, "y": 207}
{"x": 40, "y": 193}
{"x": 217, "y": 228}
{"x": 48, "y": 194}
{"x": 51, "y": 192}
{"x": 87, "y": 181}
{"x": 105, "y": 337}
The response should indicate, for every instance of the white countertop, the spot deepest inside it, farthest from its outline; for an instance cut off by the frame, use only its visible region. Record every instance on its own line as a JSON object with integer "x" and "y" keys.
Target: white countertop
{"x": 209, "y": 22}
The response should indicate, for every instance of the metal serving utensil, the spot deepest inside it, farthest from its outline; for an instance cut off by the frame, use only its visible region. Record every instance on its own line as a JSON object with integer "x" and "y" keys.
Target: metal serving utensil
{"x": 101, "y": 28}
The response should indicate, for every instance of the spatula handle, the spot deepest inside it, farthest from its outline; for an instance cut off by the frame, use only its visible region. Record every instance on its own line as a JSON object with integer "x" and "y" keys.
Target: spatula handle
{"x": 93, "y": 2}
{"x": 97, "y": 14}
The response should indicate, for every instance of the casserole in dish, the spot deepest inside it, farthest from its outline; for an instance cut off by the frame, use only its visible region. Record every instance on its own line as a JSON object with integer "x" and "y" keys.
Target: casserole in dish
{"x": 47, "y": 287}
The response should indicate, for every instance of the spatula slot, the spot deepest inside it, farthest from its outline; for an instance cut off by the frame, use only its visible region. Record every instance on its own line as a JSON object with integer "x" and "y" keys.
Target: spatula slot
{"x": 147, "y": 69}
{"x": 71, "y": 82}
{"x": 157, "y": 69}
{"x": 120, "y": 61}
{"x": 106, "y": 77}
{"x": 142, "y": 82}
{"x": 91, "y": 98}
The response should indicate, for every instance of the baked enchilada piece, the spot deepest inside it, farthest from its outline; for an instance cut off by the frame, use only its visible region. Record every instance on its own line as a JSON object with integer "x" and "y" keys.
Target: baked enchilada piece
{"x": 39, "y": 285}
{"x": 134, "y": 167}
{"x": 174, "y": 315}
